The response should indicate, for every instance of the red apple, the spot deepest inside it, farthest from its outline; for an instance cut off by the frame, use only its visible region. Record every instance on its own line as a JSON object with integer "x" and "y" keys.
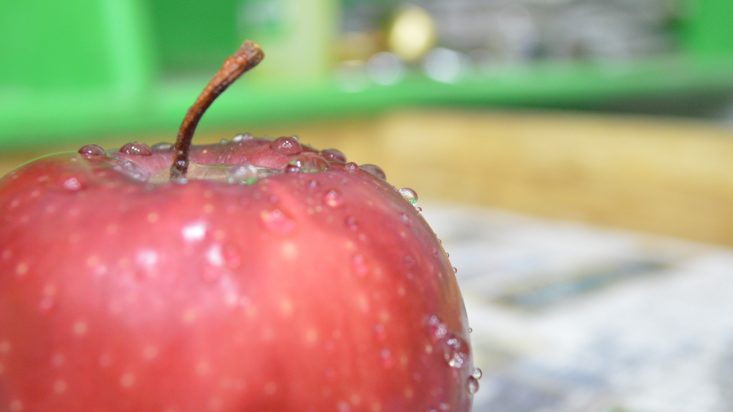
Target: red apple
{"x": 258, "y": 275}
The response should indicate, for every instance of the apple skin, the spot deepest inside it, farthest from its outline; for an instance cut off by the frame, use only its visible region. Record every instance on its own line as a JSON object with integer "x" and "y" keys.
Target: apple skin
{"x": 319, "y": 289}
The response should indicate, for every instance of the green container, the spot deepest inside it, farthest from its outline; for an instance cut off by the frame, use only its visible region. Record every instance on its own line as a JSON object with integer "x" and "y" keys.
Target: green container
{"x": 77, "y": 69}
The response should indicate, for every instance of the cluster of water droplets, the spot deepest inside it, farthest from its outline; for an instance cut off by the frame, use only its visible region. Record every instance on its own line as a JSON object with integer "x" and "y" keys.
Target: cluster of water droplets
{"x": 454, "y": 350}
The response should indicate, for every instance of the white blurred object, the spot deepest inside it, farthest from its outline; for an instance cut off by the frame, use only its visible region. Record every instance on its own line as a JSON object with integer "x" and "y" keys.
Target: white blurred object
{"x": 569, "y": 317}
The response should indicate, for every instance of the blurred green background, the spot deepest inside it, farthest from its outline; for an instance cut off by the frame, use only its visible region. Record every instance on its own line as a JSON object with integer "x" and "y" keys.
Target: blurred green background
{"x": 101, "y": 67}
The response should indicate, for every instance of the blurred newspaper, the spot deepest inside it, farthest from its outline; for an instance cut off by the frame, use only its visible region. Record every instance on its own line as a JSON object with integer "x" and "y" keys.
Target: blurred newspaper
{"x": 569, "y": 317}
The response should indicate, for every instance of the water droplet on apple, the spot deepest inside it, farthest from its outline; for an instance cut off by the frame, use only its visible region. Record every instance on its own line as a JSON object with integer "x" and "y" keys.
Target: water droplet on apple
{"x": 161, "y": 147}
{"x": 136, "y": 149}
{"x": 91, "y": 150}
{"x": 436, "y": 328}
{"x": 277, "y": 221}
{"x": 245, "y": 174}
{"x": 223, "y": 141}
{"x": 351, "y": 167}
{"x": 287, "y": 145}
{"x": 374, "y": 170}
{"x": 409, "y": 195}
{"x": 351, "y": 223}
{"x": 333, "y": 155}
{"x": 472, "y": 385}
{"x": 455, "y": 269}
{"x": 292, "y": 168}
{"x": 132, "y": 170}
{"x": 455, "y": 350}
{"x": 310, "y": 163}
{"x": 477, "y": 373}
{"x": 242, "y": 137}
{"x": 333, "y": 198}
{"x": 470, "y": 330}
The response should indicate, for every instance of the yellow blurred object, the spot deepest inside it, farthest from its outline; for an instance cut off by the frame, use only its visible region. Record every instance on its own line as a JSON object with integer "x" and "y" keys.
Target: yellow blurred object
{"x": 412, "y": 33}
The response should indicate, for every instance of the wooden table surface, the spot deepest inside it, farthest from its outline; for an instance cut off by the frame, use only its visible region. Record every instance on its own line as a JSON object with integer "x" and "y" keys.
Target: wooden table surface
{"x": 662, "y": 176}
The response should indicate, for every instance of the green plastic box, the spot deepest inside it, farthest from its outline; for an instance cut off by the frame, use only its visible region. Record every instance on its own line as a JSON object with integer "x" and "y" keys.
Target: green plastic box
{"x": 81, "y": 68}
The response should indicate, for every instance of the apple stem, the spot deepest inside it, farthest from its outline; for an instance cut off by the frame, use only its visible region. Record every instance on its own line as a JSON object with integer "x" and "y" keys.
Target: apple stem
{"x": 248, "y": 56}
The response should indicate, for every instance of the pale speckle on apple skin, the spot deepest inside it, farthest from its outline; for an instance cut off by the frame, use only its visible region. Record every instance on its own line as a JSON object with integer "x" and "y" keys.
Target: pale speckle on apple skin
{"x": 21, "y": 269}
{"x": 59, "y": 386}
{"x": 270, "y": 388}
{"x": 80, "y": 328}
{"x": 16, "y": 406}
{"x": 150, "y": 352}
{"x": 289, "y": 250}
{"x": 5, "y": 347}
{"x": 127, "y": 380}
{"x": 152, "y": 217}
{"x": 311, "y": 336}
{"x": 2, "y": 369}
{"x": 6, "y": 254}
{"x": 58, "y": 360}
{"x": 105, "y": 360}
{"x": 203, "y": 368}
{"x": 286, "y": 307}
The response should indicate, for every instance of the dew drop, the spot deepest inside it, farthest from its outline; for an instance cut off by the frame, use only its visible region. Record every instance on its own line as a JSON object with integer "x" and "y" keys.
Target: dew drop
{"x": 472, "y": 385}
{"x": 133, "y": 170}
{"x": 470, "y": 330}
{"x": 292, "y": 168}
{"x": 333, "y": 155}
{"x": 436, "y": 328}
{"x": 333, "y": 198}
{"x": 374, "y": 170}
{"x": 455, "y": 351}
{"x": 409, "y": 195}
{"x": 136, "y": 149}
{"x": 245, "y": 174}
{"x": 455, "y": 269}
{"x": 287, "y": 145}
{"x": 161, "y": 147}
{"x": 477, "y": 373}
{"x": 310, "y": 163}
{"x": 223, "y": 141}
{"x": 351, "y": 167}
{"x": 351, "y": 223}
{"x": 91, "y": 150}
{"x": 242, "y": 137}
{"x": 276, "y": 221}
